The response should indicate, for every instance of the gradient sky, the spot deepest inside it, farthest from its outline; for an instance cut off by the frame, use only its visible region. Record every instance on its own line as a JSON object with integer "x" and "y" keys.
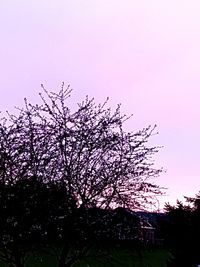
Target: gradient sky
{"x": 144, "y": 54}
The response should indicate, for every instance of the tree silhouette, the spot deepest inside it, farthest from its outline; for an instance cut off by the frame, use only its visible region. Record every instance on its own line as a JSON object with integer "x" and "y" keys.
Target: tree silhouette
{"x": 184, "y": 233}
{"x": 87, "y": 153}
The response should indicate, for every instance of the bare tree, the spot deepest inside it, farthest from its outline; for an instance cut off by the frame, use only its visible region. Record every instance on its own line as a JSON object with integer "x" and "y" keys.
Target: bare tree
{"x": 87, "y": 150}
{"x": 100, "y": 163}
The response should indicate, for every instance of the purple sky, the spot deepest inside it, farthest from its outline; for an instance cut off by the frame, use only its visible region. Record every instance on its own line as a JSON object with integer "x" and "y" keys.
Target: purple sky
{"x": 143, "y": 54}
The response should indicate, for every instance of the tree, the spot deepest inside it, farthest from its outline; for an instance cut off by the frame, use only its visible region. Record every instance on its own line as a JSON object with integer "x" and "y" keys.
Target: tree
{"x": 184, "y": 232}
{"x": 87, "y": 150}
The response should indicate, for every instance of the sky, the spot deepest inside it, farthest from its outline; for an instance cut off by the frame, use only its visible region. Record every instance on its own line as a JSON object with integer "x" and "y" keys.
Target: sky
{"x": 143, "y": 54}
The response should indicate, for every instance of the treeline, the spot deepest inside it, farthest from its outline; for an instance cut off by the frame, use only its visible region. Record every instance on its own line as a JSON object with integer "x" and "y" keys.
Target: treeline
{"x": 37, "y": 214}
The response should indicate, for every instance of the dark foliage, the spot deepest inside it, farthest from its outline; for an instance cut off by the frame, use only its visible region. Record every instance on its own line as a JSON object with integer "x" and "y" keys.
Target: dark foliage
{"x": 184, "y": 233}
{"x": 31, "y": 215}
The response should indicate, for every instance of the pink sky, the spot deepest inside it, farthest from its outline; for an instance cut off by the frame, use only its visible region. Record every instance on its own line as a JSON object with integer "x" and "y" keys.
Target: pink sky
{"x": 144, "y": 54}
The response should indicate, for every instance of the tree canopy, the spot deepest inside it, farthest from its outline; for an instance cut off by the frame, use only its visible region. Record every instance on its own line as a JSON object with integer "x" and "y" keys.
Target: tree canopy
{"x": 88, "y": 150}
{"x": 86, "y": 156}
